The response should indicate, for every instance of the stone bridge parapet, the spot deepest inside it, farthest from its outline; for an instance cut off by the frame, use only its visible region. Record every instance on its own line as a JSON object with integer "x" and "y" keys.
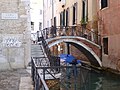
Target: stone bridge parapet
{"x": 93, "y": 49}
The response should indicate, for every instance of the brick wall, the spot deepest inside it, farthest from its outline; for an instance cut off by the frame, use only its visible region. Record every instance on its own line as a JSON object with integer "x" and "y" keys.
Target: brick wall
{"x": 78, "y": 54}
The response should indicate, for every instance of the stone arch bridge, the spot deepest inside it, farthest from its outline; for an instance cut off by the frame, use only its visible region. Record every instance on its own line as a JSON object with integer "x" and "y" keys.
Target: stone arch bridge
{"x": 85, "y": 40}
{"x": 90, "y": 49}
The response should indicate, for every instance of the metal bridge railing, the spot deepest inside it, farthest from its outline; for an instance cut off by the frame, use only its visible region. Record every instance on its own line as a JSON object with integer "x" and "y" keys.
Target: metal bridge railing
{"x": 68, "y": 74}
{"x": 38, "y": 82}
{"x": 37, "y": 62}
{"x": 69, "y": 77}
{"x": 72, "y": 31}
{"x": 54, "y": 60}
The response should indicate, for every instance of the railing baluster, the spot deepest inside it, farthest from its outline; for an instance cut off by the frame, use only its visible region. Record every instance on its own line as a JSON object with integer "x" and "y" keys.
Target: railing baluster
{"x": 81, "y": 31}
{"x": 38, "y": 81}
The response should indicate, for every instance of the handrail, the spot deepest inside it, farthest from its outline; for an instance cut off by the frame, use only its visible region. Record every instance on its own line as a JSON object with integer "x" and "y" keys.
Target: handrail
{"x": 78, "y": 30}
{"x": 38, "y": 82}
{"x": 67, "y": 73}
{"x": 54, "y": 61}
{"x": 44, "y": 83}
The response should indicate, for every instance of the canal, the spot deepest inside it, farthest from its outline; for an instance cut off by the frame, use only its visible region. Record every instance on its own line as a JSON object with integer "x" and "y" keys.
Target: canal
{"x": 87, "y": 79}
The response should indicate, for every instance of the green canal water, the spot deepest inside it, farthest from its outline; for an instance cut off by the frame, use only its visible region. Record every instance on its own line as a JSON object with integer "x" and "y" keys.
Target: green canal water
{"x": 84, "y": 79}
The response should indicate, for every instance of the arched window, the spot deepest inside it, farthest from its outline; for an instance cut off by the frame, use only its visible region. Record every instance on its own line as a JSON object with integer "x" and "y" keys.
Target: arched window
{"x": 62, "y": 18}
{"x": 84, "y": 11}
{"x": 75, "y": 13}
{"x": 67, "y": 17}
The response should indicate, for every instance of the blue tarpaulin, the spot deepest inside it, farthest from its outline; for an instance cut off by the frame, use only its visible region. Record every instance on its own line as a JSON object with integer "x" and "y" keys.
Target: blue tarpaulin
{"x": 69, "y": 59}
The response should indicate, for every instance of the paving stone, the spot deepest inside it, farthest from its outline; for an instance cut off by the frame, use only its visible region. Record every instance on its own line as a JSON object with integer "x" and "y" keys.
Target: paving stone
{"x": 25, "y": 83}
{"x": 10, "y": 80}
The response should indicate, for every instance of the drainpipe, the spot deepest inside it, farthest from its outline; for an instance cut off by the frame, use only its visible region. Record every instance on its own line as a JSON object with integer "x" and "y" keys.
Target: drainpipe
{"x": 43, "y": 15}
{"x": 52, "y": 12}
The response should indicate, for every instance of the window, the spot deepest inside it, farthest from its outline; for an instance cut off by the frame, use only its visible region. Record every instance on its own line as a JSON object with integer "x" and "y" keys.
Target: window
{"x": 54, "y": 21}
{"x": 104, "y": 3}
{"x": 83, "y": 9}
{"x": 74, "y": 13}
{"x": 40, "y": 25}
{"x": 32, "y": 23}
{"x": 67, "y": 17}
{"x": 40, "y": 12}
{"x": 105, "y": 45}
{"x": 32, "y": 26}
{"x": 62, "y": 18}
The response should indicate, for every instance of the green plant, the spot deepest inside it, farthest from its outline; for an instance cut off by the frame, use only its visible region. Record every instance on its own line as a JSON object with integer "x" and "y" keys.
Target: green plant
{"x": 84, "y": 20}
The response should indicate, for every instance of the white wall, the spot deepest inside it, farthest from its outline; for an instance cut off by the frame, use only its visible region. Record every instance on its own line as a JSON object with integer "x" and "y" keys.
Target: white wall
{"x": 47, "y": 13}
{"x": 36, "y": 17}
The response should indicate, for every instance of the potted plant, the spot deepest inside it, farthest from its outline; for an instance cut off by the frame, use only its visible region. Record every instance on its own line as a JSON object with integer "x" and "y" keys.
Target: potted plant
{"x": 84, "y": 21}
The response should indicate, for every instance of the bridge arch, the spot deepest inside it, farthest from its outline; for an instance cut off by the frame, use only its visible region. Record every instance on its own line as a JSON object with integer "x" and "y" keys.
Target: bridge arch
{"x": 91, "y": 55}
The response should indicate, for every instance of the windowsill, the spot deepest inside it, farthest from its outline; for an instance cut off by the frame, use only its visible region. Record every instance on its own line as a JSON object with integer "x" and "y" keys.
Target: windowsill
{"x": 105, "y": 54}
{"x": 74, "y": 25}
{"x": 104, "y": 8}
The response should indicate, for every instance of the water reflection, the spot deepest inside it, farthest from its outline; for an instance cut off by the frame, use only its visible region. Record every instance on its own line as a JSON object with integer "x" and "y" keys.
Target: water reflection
{"x": 84, "y": 79}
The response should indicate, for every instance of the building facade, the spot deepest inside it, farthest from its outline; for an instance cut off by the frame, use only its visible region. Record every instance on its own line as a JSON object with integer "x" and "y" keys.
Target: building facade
{"x": 47, "y": 13}
{"x": 14, "y": 34}
{"x": 65, "y": 13}
{"x": 109, "y": 24}
{"x": 99, "y": 16}
{"x": 36, "y": 18}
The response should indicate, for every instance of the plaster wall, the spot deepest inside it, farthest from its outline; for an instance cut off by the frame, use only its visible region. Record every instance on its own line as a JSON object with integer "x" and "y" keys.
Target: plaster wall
{"x": 109, "y": 26}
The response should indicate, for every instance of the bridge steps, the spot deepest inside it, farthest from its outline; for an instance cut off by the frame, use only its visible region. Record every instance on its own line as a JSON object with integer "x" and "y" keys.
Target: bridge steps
{"x": 37, "y": 51}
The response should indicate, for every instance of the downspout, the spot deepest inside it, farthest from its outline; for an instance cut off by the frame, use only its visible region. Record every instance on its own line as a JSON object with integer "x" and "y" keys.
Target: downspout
{"x": 52, "y": 12}
{"x": 43, "y": 15}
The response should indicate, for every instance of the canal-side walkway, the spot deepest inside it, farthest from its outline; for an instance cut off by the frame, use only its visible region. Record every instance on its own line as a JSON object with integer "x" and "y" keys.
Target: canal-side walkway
{"x": 17, "y": 79}
{"x": 20, "y": 79}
